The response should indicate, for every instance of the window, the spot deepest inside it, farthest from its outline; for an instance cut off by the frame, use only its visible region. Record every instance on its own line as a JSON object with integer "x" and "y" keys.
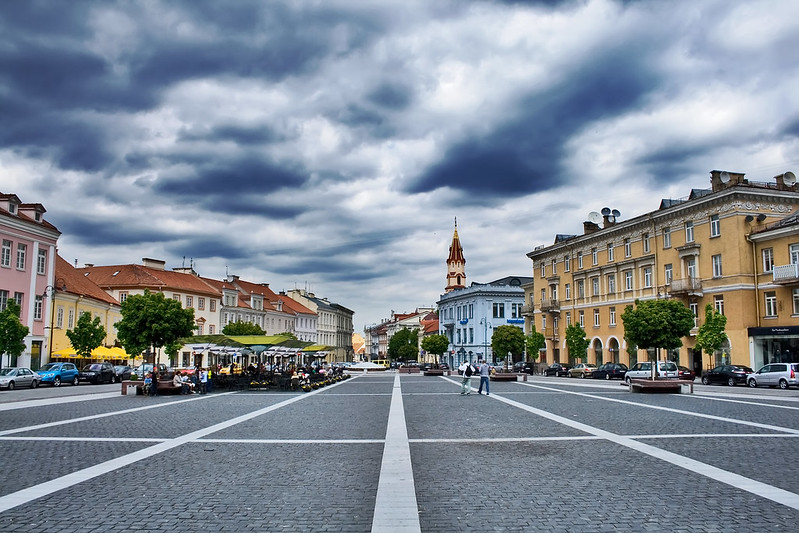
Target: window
{"x": 667, "y": 273}
{"x": 568, "y": 319}
{"x": 694, "y": 307}
{"x": 499, "y": 310}
{"x": 610, "y": 252}
{"x": 21, "y": 249}
{"x": 71, "y": 319}
{"x": 123, "y": 295}
{"x": 553, "y": 292}
{"x": 666, "y": 237}
{"x": 796, "y": 301}
{"x": 612, "y": 283}
{"x": 212, "y": 303}
{"x": 554, "y": 267}
{"x": 579, "y": 259}
{"x": 543, "y": 270}
{"x": 594, "y": 257}
{"x": 211, "y": 328}
{"x": 566, "y": 263}
{"x": 37, "y": 308}
{"x": 647, "y": 277}
{"x": 594, "y": 286}
{"x": 628, "y": 280}
{"x": 716, "y": 260}
{"x": 581, "y": 289}
{"x": 41, "y": 262}
{"x": 628, "y": 249}
{"x": 19, "y": 298}
{"x": 612, "y": 316}
{"x": 768, "y": 259}
{"x": 189, "y": 301}
{"x": 543, "y": 322}
{"x": 5, "y": 258}
{"x": 596, "y": 318}
{"x": 794, "y": 250}
{"x": 568, "y": 290}
{"x": 201, "y": 304}
{"x": 718, "y": 304}
{"x": 59, "y": 317}
{"x": 200, "y": 329}
{"x": 691, "y": 266}
{"x": 645, "y": 240}
{"x": 689, "y": 231}
{"x": 543, "y": 294}
{"x": 3, "y": 300}
{"x": 176, "y": 297}
{"x": 771, "y": 303}
{"x": 516, "y": 310}
{"x": 582, "y": 319}
{"x": 715, "y": 226}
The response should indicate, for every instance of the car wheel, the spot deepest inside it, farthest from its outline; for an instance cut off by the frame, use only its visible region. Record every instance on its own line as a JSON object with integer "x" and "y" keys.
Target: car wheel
{"x": 752, "y": 383}
{"x": 75, "y": 381}
{"x": 10, "y": 385}
{"x": 56, "y": 381}
{"x": 783, "y": 384}
{"x": 731, "y": 382}
{"x": 582, "y": 375}
{"x": 34, "y": 383}
{"x": 705, "y": 381}
{"x": 627, "y": 380}
{"x": 607, "y": 377}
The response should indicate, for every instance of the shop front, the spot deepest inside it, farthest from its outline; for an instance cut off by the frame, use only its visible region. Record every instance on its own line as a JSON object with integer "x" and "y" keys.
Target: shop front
{"x": 774, "y": 345}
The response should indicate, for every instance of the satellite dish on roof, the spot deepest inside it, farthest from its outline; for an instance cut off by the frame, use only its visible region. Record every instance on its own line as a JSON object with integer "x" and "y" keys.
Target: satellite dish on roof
{"x": 789, "y": 178}
{"x": 616, "y": 213}
{"x": 594, "y": 217}
{"x": 605, "y": 211}
{"x": 724, "y": 177}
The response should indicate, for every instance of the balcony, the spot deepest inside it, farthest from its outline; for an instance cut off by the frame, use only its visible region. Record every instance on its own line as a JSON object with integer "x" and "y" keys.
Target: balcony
{"x": 528, "y": 310}
{"x": 552, "y": 334}
{"x": 550, "y": 306}
{"x": 685, "y": 286}
{"x": 786, "y": 274}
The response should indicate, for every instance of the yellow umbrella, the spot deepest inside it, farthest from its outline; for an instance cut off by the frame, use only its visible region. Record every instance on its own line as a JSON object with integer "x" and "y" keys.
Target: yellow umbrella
{"x": 118, "y": 353}
{"x": 101, "y": 352}
{"x": 64, "y": 352}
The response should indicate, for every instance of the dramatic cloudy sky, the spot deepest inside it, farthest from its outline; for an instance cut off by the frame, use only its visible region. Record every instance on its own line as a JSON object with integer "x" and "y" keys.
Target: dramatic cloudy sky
{"x": 330, "y": 144}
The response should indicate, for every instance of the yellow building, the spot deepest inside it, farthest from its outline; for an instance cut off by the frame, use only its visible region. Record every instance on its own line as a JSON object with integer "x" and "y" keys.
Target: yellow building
{"x": 707, "y": 248}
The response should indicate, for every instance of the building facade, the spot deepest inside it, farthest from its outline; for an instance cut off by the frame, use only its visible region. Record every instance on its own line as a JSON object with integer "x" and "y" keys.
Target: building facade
{"x": 333, "y": 323}
{"x": 706, "y": 248}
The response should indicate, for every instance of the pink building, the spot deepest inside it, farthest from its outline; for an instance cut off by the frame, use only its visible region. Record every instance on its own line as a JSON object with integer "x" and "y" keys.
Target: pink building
{"x": 27, "y": 272}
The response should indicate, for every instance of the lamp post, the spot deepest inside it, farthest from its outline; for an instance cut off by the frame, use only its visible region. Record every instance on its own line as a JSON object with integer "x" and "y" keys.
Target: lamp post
{"x": 48, "y": 293}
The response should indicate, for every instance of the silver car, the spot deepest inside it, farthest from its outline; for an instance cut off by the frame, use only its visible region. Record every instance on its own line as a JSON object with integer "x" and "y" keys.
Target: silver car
{"x": 11, "y": 378}
{"x": 782, "y": 375}
{"x": 665, "y": 369}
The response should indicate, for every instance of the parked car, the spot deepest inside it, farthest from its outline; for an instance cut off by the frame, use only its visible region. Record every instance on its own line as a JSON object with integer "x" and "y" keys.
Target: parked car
{"x": 665, "y": 369}
{"x": 782, "y": 375}
{"x": 97, "y": 373}
{"x": 11, "y": 378}
{"x": 683, "y": 372}
{"x": 524, "y": 367}
{"x": 443, "y": 366}
{"x": 557, "y": 369}
{"x": 583, "y": 370}
{"x": 57, "y": 373}
{"x": 610, "y": 371}
{"x": 143, "y": 369}
{"x": 122, "y": 373}
{"x": 729, "y": 374}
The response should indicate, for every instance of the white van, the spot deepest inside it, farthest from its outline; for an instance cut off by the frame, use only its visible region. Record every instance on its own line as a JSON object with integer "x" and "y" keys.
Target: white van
{"x": 665, "y": 369}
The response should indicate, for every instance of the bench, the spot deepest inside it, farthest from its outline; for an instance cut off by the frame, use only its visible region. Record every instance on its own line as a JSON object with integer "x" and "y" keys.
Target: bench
{"x": 508, "y": 376}
{"x": 164, "y": 385}
{"x": 679, "y": 386}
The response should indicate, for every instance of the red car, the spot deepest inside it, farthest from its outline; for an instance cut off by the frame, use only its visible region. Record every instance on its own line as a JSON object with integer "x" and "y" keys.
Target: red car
{"x": 684, "y": 372}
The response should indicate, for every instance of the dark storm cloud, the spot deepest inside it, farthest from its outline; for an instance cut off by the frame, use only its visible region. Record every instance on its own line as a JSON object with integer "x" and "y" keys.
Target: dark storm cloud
{"x": 212, "y": 246}
{"x": 242, "y": 135}
{"x": 524, "y": 156}
{"x": 89, "y": 231}
{"x": 392, "y": 96}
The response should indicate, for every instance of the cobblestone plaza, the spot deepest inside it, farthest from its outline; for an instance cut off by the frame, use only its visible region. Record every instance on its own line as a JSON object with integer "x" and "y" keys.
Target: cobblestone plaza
{"x": 391, "y": 452}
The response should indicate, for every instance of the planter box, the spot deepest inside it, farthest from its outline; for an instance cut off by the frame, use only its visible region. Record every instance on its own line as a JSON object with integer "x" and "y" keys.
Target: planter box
{"x": 433, "y": 372}
{"x": 504, "y": 376}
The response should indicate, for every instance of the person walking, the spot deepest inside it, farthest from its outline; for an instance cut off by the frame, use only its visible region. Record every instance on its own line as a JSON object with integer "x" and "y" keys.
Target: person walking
{"x": 203, "y": 381}
{"x": 485, "y": 372}
{"x": 466, "y": 370}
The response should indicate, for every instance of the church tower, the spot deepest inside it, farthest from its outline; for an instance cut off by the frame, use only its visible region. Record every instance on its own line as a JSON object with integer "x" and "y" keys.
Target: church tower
{"x": 456, "y": 264}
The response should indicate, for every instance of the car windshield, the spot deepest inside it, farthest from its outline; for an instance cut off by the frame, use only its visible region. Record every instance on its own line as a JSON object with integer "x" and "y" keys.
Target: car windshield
{"x": 8, "y": 372}
{"x": 48, "y": 367}
{"x": 93, "y": 367}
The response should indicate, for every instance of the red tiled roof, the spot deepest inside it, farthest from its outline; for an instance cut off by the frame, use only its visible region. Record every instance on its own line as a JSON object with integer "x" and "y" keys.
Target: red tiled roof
{"x": 69, "y": 279}
{"x": 294, "y": 305}
{"x": 142, "y": 277}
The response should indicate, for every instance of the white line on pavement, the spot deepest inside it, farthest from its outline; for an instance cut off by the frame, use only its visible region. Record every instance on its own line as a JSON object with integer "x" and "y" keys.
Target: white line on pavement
{"x": 56, "y": 400}
{"x": 396, "y": 509}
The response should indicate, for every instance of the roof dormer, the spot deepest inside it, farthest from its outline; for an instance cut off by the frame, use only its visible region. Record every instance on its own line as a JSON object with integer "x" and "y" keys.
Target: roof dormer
{"x": 34, "y": 211}
{"x": 10, "y": 202}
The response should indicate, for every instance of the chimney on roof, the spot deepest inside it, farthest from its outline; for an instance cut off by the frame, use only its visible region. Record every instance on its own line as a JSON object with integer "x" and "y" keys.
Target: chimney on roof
{"x": 156, "y": 264}
{"x": 88, "y": 265}
{"x": 186, "y": 270}
{"x": 589, "y": 227}
{"x": 721, "y": 179}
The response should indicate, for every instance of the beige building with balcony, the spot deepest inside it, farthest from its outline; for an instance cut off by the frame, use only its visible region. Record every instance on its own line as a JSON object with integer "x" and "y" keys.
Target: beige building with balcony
{"x": 734, "y": 246}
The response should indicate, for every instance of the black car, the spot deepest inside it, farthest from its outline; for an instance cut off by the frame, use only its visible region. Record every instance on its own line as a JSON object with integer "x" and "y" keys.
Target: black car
{"x": 122, "y": 373}
{"x": 557, "y": 369}
{"x": 610, "y": 371}
{"x": 524, "y": 367}
{"x": 97, "y": 373}
{"x": 729, "y": 374}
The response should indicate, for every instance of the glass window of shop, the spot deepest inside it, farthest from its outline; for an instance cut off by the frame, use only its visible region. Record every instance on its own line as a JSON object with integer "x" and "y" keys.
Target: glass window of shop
{"x": 775, "y": 345}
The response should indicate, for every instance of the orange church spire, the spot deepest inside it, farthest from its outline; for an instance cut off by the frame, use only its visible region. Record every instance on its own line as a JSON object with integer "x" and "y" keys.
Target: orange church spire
{"x": 456, "y": 263}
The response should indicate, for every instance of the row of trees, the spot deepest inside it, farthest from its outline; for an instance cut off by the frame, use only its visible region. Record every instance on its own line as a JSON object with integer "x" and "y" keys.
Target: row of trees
{"x": 647, "y": 324}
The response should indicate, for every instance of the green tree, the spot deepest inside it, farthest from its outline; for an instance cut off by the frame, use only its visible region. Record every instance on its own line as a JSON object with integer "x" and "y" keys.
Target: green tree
{"x": 535, "y": 342}
{"x": 242, "y": 328}
{"x": 150, "y": 321}
{"x": 404, "y": 345}
{"x": 12, "y": 333}
{"x": 711, "y": 335}
{"x": 87, "y": 334}
{"x": 576, "y": 341}
{"x": 657, "y": 324}
{"x": 435, "y": 344}
{"x": 507, "y": 339}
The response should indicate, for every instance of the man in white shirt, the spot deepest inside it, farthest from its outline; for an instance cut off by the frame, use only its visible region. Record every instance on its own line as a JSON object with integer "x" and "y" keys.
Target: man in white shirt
{"x": 466, "y": 370}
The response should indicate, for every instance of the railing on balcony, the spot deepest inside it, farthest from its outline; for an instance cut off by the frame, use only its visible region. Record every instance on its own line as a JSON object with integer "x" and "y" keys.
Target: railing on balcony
{"x": 786, "y": 274}
{"x": 528, "y": 310}
{"x": 550, "y": 305}
{"x": 691, "y": 286}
